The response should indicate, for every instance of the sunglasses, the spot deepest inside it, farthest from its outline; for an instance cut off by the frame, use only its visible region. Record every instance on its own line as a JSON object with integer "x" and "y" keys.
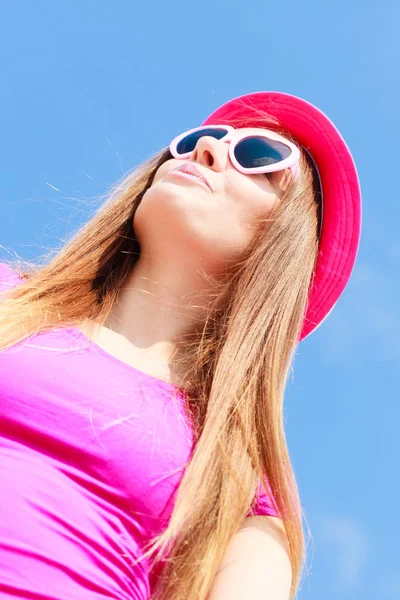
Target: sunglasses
{"x": 249, "y": 152}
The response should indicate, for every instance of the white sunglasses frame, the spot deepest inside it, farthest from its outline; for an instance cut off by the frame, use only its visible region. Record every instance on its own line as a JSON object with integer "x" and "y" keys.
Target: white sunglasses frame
{"x": 291, "y": 162}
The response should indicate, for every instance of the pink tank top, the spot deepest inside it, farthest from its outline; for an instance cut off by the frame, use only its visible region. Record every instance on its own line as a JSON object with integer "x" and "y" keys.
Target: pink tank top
{"x": 91, "y": 455}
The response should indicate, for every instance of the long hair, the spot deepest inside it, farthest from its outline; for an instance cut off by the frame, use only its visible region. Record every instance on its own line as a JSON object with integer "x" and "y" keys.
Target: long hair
{"x": 235, "y": 366}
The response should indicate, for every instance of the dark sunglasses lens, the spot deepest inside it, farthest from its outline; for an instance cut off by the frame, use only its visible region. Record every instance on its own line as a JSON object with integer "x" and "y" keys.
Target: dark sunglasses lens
{"x": 188, "y": 143}
{"x": 259, "y": 152}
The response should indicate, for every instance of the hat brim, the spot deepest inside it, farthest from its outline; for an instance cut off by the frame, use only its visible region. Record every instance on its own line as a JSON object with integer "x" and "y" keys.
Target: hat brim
{"x": 341, "y": 193}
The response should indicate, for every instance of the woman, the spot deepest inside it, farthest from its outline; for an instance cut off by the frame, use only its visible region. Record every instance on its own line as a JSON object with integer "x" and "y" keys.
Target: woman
{"x": 143, "y": 366}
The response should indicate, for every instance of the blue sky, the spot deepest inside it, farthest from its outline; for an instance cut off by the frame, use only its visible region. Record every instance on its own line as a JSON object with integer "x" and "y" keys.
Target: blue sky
{"x": 90, "y": 89}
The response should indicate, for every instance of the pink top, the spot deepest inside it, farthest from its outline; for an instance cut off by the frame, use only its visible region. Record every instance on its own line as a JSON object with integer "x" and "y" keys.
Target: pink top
{"x": 90, "y": 457}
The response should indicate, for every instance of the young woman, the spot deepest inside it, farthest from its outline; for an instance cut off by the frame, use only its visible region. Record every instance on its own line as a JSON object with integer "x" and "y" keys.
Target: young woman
{"x": 143, "y": 366}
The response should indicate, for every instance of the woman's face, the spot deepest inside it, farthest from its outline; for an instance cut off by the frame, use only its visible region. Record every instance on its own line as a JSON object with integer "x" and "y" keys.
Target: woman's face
{"x": 218, "y": 223}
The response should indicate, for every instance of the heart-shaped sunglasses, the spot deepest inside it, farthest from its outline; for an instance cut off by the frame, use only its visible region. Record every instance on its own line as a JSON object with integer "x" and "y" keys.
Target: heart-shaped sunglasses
{"x": 249, "y": 152}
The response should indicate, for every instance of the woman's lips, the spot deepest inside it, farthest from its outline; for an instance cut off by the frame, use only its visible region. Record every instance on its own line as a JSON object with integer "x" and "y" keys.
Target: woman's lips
{"x": 190, "y": 177}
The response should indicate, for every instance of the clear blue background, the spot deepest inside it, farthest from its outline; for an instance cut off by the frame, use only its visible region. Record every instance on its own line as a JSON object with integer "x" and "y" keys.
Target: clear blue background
{"x": 90, "y": 89}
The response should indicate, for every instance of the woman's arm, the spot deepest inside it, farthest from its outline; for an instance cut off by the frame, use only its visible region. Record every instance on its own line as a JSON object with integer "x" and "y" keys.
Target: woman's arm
{"x": 256, "y": 564}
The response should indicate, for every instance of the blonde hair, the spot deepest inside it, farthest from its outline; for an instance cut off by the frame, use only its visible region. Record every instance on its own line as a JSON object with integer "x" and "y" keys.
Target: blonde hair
{"x": 236, "y": 366}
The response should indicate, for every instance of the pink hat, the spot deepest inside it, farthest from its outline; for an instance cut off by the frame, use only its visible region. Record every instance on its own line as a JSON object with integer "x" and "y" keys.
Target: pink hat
{"x": 340, "y": 186}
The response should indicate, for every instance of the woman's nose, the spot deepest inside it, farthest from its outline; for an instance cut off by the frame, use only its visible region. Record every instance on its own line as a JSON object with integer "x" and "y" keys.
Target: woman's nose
{"x": 211, "y": 152}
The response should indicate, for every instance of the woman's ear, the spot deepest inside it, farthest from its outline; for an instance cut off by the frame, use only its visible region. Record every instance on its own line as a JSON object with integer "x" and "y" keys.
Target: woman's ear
{"x": 282, "y": 179}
